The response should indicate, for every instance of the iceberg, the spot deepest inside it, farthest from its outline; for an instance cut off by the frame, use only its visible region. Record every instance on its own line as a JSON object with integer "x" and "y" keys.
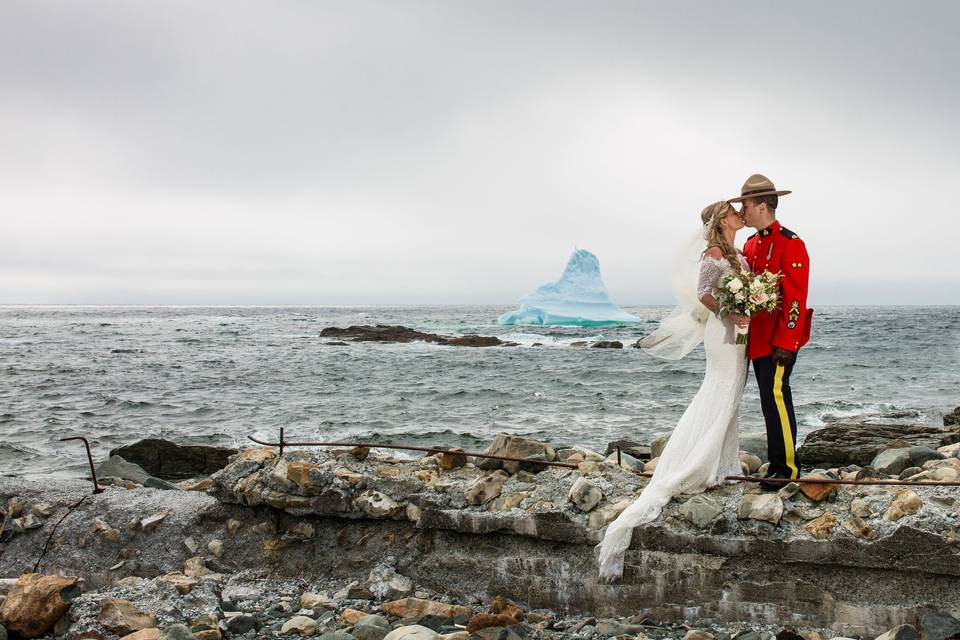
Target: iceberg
{"x": 578, "y": 298}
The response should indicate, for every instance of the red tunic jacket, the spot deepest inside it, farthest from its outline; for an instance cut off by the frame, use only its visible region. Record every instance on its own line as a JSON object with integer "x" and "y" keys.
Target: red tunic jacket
{"x": 779, "y": 250}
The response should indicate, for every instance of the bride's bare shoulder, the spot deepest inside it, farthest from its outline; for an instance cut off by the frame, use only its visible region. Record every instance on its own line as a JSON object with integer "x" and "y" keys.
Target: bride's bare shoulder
{"x": 713, "y": 252}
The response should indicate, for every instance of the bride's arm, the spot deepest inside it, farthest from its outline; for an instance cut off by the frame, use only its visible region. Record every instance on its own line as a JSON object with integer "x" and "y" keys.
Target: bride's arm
{"x": 710, "y": 272}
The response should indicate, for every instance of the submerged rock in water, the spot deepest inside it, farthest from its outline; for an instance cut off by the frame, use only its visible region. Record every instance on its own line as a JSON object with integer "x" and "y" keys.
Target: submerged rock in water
{"x": 380, "y": 333}
{"x": 389, "y": 333}
{"x": 578, "y": 298}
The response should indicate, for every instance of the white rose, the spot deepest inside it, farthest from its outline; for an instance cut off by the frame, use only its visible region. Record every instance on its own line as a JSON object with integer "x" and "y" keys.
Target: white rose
{"x": 735, "y": 285}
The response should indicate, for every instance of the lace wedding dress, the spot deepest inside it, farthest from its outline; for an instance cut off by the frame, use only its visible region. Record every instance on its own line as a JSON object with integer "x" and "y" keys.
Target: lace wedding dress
{"x": 704, "y": 445}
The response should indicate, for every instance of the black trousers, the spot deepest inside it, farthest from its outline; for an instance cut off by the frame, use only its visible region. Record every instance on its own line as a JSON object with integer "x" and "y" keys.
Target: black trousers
{"x": 776, "y": 400}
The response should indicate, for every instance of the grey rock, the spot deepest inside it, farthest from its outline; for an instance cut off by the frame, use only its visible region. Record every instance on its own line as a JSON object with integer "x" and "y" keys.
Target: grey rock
{"x": 177, "y": 632}
{"x": 909, "y": 472}
{"x": 171, "y": 461}
{"x": 233, "y": 472}
{"x": 936, "y": 625}
{"x": 763, "y": 506}
{"x": 373, "y": 620}
{"x": 749, "y": 634}
{"x": 241, "y": 624}
{"x": 919, "y": 455}
{"x": 585, "y": 494}
{"x": 635, "y": 449}
{"x": 789, "y": 490}
{"x": 701, "y": 510}
{"x": 337, "y": 635}
{"x": 903, "y": 632}
{"x": 626, "y": 461}
{"x": 891, "y": 461}
{"x": 607, "y": 344}
{"x": 658, "y": 443}
{"x": 369, "y": 632}
{"x": 952, "y": 418}
{"x": 3, "y": 632}
{"x": 117, "y": 467}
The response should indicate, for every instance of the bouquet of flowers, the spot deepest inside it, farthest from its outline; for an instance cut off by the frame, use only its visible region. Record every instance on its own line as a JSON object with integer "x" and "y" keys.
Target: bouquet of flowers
{"x": 748, "y": 293}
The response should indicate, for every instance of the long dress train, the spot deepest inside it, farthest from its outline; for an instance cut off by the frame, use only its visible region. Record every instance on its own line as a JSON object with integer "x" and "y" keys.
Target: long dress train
{"x": 704, "y": 445}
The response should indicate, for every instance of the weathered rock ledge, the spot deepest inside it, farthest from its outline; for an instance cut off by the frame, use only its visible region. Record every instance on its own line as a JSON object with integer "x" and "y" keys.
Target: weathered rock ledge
{"x": 855, "y": 559}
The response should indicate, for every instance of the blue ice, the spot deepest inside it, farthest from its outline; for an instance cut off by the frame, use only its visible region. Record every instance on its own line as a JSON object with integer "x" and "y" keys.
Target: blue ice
{"x": 578, "y": 298}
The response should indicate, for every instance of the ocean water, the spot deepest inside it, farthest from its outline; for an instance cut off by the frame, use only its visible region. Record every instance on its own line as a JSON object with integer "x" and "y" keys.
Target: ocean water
{"x": 218, "y": 374}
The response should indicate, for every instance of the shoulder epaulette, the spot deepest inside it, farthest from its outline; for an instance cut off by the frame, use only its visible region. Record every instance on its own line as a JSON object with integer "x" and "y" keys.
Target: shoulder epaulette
{"x": 752, "y": 236}
{"x": 788, "y": 233}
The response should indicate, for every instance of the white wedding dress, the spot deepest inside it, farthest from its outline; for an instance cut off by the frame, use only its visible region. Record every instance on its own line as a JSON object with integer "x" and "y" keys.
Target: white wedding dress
{"x": 704, "y": 445}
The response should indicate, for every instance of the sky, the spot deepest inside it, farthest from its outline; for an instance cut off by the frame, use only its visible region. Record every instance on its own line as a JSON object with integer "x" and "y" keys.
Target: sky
{"x": 455, "y": 152}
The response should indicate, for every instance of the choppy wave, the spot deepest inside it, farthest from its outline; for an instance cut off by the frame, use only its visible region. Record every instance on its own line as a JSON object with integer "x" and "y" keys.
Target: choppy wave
{"x": 118, "y": 374}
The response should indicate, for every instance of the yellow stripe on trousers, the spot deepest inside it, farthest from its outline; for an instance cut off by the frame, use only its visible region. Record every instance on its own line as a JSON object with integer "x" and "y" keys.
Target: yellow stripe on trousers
{"x": 784, "y": 420}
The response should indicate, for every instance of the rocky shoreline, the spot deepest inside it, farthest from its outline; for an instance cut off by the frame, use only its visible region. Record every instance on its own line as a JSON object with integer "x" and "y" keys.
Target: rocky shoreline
{"x": 362, "y": 544}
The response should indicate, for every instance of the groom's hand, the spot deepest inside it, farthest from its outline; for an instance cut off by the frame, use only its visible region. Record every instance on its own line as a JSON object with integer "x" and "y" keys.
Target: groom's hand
{"x": 782, "y": 356}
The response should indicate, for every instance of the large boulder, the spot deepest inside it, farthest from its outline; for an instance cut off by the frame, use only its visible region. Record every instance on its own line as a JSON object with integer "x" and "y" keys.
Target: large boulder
{"x": 510, "y": 446}
{"x": 936, "y": 625}
{"x": 36, "y": 602}
{"x": 892, "y": 461}
{"x": 171, "y": 461}
{"x": 903, "y": 632}
{"x": 117, "y": 467}
{"x": 859, "y": 443}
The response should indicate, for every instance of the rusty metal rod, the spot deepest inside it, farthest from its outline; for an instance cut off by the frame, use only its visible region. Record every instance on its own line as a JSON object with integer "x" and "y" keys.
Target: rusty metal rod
{"x": 784, "y": 481}
{"x": 93, "y": 472}
{"x": 367, "y": 445}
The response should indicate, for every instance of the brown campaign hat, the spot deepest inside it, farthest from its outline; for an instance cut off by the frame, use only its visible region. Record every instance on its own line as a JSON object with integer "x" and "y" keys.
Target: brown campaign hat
{"x": 756, "y": 186}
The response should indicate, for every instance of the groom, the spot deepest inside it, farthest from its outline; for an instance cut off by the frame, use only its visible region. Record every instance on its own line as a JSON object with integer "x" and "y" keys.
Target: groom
{"x": 776, "y": 337}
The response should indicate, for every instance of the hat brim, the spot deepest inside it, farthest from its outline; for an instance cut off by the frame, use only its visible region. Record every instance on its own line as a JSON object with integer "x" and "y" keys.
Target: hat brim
{"x": 759, "y": 195}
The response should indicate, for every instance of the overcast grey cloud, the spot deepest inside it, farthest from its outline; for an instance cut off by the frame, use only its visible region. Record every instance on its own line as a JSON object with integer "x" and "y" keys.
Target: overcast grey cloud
{"x": 432, "y": 152}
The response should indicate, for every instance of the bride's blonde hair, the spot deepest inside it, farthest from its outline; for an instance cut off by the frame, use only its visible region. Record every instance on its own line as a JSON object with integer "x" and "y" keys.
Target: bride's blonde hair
{"x": 711, "y": 217}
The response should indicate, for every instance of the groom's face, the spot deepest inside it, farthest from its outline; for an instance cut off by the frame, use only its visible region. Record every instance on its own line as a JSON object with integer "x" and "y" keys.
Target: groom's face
{"x": 750, "y": 212}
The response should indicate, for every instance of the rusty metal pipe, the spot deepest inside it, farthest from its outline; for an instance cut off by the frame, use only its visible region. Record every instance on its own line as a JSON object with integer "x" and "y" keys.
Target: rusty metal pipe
{"x": 407, "y": 447}
{"x": 93, "y": 472}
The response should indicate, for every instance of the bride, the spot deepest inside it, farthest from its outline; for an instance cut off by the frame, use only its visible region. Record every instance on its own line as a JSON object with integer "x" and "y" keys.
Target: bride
{"x": 704, "y": 445}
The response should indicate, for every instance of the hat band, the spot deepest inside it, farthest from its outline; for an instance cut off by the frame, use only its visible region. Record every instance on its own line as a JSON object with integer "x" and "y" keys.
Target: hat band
{"x": 744, "y": 194}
